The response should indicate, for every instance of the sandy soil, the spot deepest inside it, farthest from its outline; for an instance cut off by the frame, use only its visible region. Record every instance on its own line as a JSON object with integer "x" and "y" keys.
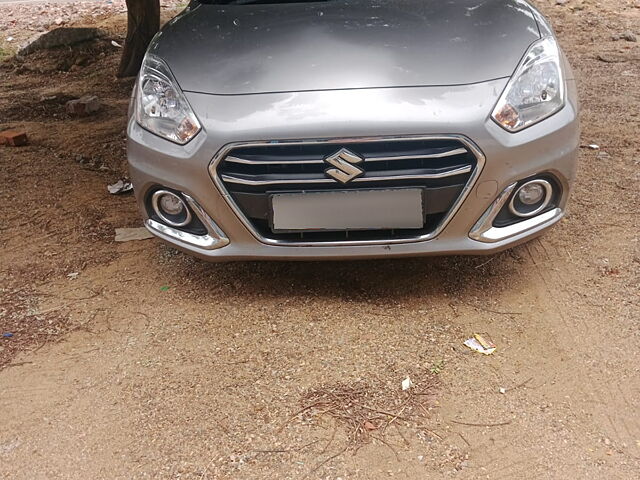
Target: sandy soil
{"x": 150, "y": 364}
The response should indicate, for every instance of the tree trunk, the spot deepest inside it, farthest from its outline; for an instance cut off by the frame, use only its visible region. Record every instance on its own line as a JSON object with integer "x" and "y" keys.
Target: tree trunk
{"x": 143, "y": 22}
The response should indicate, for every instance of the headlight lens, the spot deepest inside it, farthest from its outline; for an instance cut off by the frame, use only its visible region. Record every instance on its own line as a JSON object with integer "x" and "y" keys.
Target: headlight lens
{"x": 161, "y": 107}
{"x": 536, "y": 89}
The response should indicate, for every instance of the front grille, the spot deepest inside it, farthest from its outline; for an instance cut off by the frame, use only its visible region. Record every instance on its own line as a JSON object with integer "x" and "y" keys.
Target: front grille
{"x": 250, "y": 174}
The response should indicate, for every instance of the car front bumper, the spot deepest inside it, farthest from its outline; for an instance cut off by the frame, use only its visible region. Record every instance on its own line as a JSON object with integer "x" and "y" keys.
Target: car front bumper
{"x": 549, "y": 147}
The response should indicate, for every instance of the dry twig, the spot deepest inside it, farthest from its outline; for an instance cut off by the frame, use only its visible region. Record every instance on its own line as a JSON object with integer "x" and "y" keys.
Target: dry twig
{"x": 499, "y": 424}
{"x": 363, "y": 410}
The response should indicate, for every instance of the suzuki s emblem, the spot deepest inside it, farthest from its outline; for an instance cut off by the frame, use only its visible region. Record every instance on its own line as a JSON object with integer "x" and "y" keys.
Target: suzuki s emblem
{"x": 345, "y": 163}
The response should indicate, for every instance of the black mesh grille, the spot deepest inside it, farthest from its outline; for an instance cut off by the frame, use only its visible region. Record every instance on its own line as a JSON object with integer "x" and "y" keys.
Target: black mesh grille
{"x": 441, "y": 168}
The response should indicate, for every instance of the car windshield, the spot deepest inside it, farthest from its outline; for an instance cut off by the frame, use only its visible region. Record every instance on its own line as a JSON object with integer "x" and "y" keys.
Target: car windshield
{"x": 248, "y": 2}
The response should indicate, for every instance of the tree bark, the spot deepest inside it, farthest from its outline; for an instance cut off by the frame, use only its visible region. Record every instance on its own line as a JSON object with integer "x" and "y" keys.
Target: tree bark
{"x": 143, "y": 22}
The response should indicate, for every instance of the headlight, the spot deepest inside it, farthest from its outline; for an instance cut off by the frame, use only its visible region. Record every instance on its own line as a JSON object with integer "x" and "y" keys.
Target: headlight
{"x": 161, "y": 107}
{"x": 536, "y": 90}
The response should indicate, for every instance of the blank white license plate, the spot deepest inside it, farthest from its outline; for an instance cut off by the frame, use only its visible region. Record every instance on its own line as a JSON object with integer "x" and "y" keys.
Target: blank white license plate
{"x": 348, "y": 210}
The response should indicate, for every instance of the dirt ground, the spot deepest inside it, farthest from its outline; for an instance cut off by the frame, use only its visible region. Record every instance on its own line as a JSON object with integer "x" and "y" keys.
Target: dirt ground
{"x": 132, "y": 360}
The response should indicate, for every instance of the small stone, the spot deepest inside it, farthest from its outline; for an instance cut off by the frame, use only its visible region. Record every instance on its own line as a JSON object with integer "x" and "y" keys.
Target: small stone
{"x": 607, "y": 441}
{"x": 629, "y": 36}
{"x": 82, "y": 60}
{"x": 83, "y": 106}
{"x": 369, "y": 426}
{"x": 502, "y": 390}
{"x": 610, "y": 58}
{"x": 561, "y": 2}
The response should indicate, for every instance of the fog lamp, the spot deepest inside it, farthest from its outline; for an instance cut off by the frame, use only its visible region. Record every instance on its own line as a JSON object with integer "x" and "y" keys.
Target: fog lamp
{"x": 171, "y": 204}
{"x": 171, "y": 208}
{"x": 531, "y": 193}
{"x": 531, "y": 198}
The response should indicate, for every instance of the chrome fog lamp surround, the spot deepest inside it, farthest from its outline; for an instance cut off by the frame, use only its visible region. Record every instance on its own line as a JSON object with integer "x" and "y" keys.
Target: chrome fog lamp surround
{"x": 520, "y": 195}
{"x": 214, "y": 238}
{"x": 163, "y": 200}
{"x": 484, "y": 231}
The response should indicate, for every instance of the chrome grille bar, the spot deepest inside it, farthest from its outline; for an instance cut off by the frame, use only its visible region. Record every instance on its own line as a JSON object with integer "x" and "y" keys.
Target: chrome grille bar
{"x": 382, "y": 178}
{"x": 446, "y": 153}
{"x": 246, "y": 161}
{"x": 449, "y": 153}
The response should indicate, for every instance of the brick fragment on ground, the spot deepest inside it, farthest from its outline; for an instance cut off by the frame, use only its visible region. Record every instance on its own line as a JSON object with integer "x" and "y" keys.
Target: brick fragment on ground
{"x": 83, "y": 106}
{"x": 13, "y": 138}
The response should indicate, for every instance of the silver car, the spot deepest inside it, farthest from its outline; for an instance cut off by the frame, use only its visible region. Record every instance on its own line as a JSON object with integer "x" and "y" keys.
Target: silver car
{"x": 353, "y": 128}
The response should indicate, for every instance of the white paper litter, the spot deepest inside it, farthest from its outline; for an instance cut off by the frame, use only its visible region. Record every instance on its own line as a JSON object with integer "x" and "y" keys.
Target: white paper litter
{"x": 130, "y": 234}
{"x": 121, "y": 186}
{"x": 480, "y": 343}
{"x": 407, "y": 384}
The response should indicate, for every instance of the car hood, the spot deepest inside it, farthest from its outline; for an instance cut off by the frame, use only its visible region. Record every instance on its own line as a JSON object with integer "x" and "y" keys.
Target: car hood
{"x": 341, "y": 44}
